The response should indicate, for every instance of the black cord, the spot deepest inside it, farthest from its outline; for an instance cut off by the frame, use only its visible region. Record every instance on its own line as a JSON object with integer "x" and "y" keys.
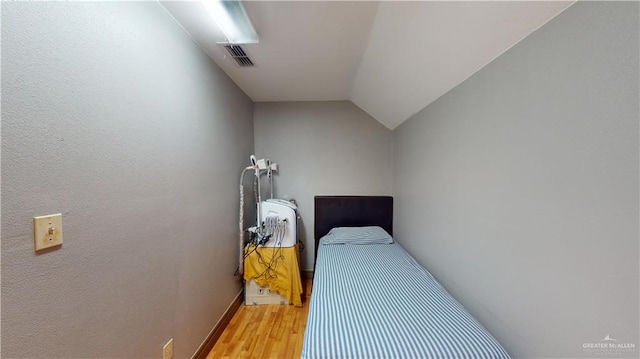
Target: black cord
{"x": 237, "y": 272}
{"x": 270, "y": 267}
{"x": 273, "y": 263}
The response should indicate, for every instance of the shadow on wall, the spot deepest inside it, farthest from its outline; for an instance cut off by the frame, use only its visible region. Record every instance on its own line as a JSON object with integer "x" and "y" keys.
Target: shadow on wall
{"x": 304, "y": 244}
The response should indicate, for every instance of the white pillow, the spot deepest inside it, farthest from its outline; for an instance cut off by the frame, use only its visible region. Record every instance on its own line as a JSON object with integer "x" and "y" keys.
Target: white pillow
{"x": 358, "y": 235}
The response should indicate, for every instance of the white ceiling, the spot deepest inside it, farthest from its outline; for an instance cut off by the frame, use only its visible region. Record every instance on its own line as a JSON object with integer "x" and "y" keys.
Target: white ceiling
{"x": 391, "y": 59}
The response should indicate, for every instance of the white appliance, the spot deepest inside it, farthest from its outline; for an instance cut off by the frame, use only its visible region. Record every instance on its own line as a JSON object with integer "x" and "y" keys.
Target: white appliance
{"x": 287, "y": 215}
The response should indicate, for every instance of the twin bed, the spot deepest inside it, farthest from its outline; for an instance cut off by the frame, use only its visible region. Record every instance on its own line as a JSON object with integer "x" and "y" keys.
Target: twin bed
{"x": 375, "y": 301}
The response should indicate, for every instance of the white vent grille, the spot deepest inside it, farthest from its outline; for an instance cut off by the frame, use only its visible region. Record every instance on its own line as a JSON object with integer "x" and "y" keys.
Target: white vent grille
{"x": 238, "y": 54}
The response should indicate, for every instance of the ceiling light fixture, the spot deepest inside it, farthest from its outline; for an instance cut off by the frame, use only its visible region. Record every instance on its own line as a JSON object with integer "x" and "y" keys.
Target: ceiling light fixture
{"x": 232, "y": 20}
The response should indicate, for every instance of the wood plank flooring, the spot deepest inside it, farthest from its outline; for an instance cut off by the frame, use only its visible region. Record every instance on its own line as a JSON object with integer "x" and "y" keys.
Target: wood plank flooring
{"x": 265, "y": 331}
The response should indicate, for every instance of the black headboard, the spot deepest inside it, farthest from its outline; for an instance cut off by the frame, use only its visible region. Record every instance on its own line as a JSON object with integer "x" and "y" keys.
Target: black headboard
{"x": 352, "y": 211}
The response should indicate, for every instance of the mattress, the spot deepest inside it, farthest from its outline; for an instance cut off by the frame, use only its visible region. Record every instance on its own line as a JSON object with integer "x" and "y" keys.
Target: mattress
{"x": 376, "y": 301}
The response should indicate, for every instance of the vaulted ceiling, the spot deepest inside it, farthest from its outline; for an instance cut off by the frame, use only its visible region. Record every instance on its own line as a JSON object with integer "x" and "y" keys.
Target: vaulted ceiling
{"x": 391, "y": 59}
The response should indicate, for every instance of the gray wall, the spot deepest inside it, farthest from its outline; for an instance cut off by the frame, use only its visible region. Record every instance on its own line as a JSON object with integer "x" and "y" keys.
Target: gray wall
{"x": 113, "y": 116}
{"x": 518, "y": 189}
{"x": 323, "y": 148}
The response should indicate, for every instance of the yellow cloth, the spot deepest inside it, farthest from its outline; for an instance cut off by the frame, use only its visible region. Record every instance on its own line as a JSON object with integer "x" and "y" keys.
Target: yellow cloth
{"x": 277, "y": 268}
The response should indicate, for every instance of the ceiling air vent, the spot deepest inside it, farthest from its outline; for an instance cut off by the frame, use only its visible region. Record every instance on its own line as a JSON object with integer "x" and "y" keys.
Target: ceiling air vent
{"x": 238, "y": 54}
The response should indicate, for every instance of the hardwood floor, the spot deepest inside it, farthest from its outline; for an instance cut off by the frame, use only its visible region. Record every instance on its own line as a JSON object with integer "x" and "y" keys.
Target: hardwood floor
{"x": 265, "y": 331}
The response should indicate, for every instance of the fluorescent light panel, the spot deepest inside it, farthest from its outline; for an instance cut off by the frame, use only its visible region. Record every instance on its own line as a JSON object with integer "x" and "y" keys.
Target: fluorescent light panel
{"x": 232, "y": 20}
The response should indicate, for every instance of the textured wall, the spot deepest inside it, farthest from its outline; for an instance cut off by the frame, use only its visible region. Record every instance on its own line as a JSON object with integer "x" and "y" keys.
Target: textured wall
{"x": 519, "y": 188}
{"x": 323, "y": 148}
{"x": 113, "y": 116}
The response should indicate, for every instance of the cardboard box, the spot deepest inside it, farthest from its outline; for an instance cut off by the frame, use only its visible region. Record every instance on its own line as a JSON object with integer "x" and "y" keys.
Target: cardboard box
{"x": 257, "y": 295}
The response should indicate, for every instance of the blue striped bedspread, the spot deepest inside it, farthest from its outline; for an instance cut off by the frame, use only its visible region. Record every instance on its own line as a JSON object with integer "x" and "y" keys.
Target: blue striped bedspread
{"x": 376, "y": 301}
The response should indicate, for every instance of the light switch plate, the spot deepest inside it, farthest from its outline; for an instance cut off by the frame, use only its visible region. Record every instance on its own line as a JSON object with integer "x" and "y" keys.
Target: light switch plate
{"x": 47, "y": 231}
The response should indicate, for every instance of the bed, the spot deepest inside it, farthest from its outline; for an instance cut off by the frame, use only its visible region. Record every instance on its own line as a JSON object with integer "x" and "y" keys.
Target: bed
{"x": 376, "y": 301}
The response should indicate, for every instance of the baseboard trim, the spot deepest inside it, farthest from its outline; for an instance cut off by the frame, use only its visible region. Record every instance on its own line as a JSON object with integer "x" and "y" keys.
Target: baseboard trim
{"x": 307, "y": 274}
{"x": 217, "y": 330}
